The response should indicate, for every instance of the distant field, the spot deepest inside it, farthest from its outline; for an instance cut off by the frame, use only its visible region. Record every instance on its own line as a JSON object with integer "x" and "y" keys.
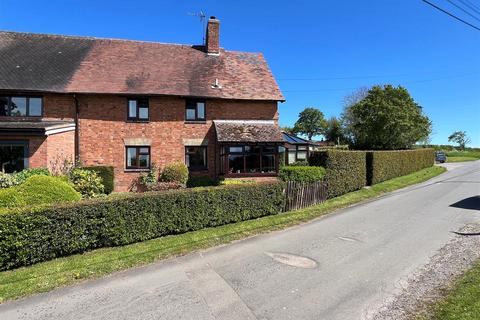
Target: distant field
{"x": 461, "y": 159}
{"x": 463, "y": 154}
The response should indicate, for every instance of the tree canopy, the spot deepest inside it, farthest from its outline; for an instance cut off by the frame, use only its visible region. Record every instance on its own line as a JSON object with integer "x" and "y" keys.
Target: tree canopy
{"x": 311, "y": 122}
{"x": 460, "y": 138}
{"x": 386, "y": 118}
{"x": 334, "y": 131}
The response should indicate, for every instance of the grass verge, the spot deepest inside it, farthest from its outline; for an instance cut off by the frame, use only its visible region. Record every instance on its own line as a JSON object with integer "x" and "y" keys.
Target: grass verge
{"x": 460, "y": 159}
{"x": 462, "y": 300}
{"x": 45, "y": 276}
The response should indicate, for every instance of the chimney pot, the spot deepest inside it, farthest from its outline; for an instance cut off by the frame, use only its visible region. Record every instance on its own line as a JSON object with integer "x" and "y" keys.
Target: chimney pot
{"x": 213, "y": 36}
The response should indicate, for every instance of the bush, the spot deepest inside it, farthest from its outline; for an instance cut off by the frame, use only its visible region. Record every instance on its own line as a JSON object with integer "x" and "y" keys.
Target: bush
{"x": 30, "y": 237}
{"x": 175, "y": 172}
{"x": 27, "y": 173}
{"x": 302, "y": 174}
{"x": 38, "y": 190}
{"x": 299, "y": 164}
{"x": 7, "y": 180}
{"x": 229, "y": 182}
{"x": 385, "y": 165}
{"x": 107, "y": 175}
{"x": 87, "y": 182}
{"x": 201, "y": 181}
{"x": 345, "y": 170}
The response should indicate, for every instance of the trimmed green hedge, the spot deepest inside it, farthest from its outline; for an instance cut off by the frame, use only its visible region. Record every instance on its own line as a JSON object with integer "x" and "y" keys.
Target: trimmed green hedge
{"x": 107, "y": 175}
{"x": 31, "y": 237}
{"x": 345, "y": 170}
{"x": 38, "y": 190}
{"x": 385, "y": 165}
{"x": 301, "y": 173}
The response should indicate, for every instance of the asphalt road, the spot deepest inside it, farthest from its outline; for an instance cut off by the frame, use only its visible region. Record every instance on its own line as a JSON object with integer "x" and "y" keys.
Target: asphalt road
{"x": 342, "y": 266}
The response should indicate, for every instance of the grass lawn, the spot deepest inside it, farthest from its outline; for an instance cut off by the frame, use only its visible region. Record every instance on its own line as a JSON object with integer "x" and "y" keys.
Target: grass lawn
{"x": 48, "y": 275}
{"x": 460, "y": 159}
{"x": 462, "y": 300}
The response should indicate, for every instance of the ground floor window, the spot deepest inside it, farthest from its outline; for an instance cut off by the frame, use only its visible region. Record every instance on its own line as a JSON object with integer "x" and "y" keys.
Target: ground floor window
{"x": 196, "y": 158}
{"x": 13, "y": 156}
{"x": 138, "y": 157}
{"x": 297, "y": 153}
{"x": 249, "y": 159}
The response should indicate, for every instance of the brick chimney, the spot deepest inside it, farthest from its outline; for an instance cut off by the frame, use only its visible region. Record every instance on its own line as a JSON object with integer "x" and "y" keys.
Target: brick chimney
{"x": 213, "y": 36}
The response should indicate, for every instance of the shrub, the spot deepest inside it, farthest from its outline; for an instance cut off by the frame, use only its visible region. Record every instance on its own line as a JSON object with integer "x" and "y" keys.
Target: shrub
{"x": 175, "y": 172}
{"x": 227, "y": 182}
{"x": 201, "y": 181}
{"x": 31, "y": 237}
{"x": 107, "y": 175}
{"x": 163, "y": 186}
{"x": 299, "y": 164}
{"x": 7, "y": 180}
{"x": 27, "y": 173}
{"x": 345, "y": 170}
{"x": 384, "y": 165}
{"x": 149, "y": 179}
{"x": 87, "y": 182}
{"x": 302, "y": 174}
{"x": 38, "y": 190}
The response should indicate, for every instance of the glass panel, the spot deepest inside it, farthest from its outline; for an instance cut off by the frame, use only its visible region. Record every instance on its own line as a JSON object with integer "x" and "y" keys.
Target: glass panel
{"x": 235, "y": 163}
{"x": 302, "y": 155}
{"x": 302, "y": 147}
{"x": 19, "y": 106}
{"x": 12, "y": 158}
{"x": 144, "y": 161}
{"x": 143, "y": 113}
{"x": 197, "y": 158}
{"x": 187, "y": 160}
{"x": 268, "y": 163}
{"x": 201, "y": 110}
{"x": 132, "y": 108}
{"x": 3, "y": 106}
{"x": 252, "y": 163}
{"x": 35, "y": 107}
{"x": 291, "y": 156}
{"x": 131, "y": 157}
{"x": 269, "y": 149}
{"x": 255, "y": 149}
{"x": 236, "y": 149}
{"x": 144, "y": 150}
{"x": 190, "y": 114}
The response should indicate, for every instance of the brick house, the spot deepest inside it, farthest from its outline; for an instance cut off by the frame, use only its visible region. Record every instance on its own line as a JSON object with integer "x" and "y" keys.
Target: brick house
{"x": 131, "y": 104}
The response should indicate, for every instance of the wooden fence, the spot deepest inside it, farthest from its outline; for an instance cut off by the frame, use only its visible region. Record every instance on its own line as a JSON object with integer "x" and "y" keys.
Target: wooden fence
{"x": 304, "y": 194}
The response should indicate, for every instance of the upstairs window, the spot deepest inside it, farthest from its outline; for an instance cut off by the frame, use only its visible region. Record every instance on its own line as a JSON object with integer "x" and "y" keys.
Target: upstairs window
{"x": 21, "y": 106}
{"x": 138, "y": 157}
{"x": 196, "y": 158}
{"x": 138, "y": 110}
{"x": 195, "y": 110}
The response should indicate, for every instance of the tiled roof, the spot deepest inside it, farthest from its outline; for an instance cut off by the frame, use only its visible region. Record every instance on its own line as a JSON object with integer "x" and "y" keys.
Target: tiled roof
{"x": 51, "y": 63}
{"x": 252, "y": 131}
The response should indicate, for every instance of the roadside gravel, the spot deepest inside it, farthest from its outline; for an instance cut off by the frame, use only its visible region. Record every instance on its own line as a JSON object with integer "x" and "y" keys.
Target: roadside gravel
{"x": 428, "y": 283}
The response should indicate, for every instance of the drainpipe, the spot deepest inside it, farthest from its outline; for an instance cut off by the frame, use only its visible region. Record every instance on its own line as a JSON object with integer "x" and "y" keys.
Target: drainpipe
{"x": 77, "y": 133}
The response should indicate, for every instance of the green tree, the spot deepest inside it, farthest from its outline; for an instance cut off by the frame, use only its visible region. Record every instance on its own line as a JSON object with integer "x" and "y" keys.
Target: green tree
{"x": 287, "y": 129}
{"x": 459, "y": 137}
{"x": 334, "y": 131}
{"x": 311, "y": 122}
{"x": 386, "y": 118}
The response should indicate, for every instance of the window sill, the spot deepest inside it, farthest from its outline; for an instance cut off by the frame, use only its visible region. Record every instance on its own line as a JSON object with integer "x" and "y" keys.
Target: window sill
{"x": 195, "y": 121}
{"x": 136, "y": 170}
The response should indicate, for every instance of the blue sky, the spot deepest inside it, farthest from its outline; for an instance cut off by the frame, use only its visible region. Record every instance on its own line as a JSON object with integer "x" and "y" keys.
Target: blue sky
{"x": 319, "y": 51}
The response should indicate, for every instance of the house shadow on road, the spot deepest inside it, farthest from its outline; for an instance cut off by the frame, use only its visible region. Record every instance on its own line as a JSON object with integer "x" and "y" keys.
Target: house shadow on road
{"x": 472, "y": 203}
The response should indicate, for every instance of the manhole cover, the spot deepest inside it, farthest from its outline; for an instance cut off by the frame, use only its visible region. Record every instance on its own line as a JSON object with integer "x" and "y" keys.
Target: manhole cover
{"x": 292, "y": 260}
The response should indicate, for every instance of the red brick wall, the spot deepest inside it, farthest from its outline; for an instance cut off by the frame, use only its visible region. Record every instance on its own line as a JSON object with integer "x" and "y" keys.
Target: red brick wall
{"x": 60, "y": 148}
{"x": 103, "y": 127}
